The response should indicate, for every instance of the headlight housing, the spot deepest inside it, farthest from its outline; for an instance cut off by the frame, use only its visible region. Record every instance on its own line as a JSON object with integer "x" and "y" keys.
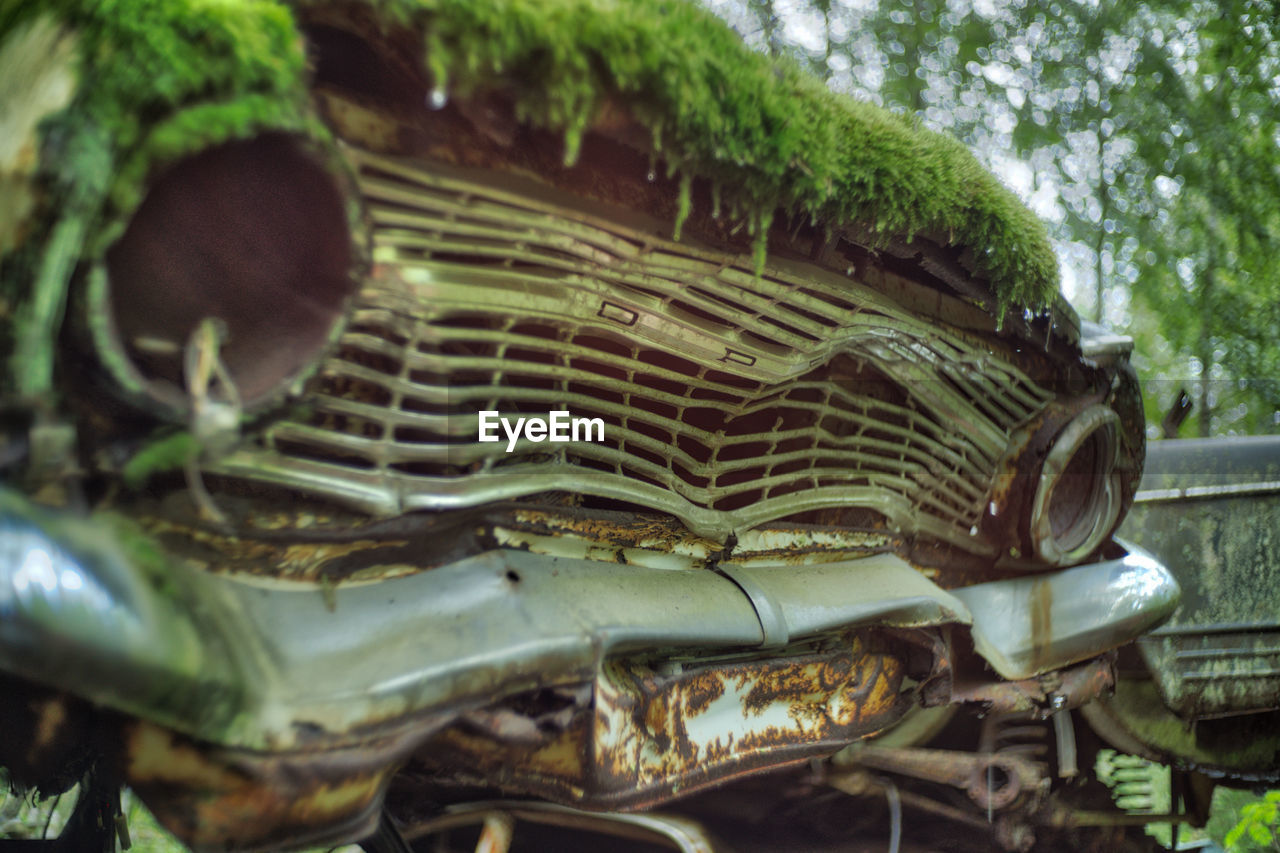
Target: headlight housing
{"x": 1077, "y": 501}
{"x": 255, "y": 234}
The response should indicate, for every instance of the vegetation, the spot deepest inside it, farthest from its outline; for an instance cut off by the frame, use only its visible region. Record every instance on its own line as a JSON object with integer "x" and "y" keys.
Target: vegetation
{"x": 765, "y": 132}
{"x": 1146, "y": 132}
{"x": 1257, "y": 827}
{"x": 153, "y": 80}
{"x": 33, "y": 817}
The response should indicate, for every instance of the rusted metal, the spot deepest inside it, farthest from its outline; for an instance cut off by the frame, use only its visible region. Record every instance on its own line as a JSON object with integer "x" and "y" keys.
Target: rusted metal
{"x": 48, "y": 736}
{"x": 209, "y": 796}
{"x": 861, "y": 783}
{"x": 1043, "y": 695}
{"x": 308, "y": 542}
{"x": 994, "y": 781}
{"x": 312, "y": 542}
{"x": 217, "y": 799}
{"x": 1010, "y": 832}
{"x": 663, "y": 541}
{"x": 1015, "y": 733}
{"x": 655, "y": 730}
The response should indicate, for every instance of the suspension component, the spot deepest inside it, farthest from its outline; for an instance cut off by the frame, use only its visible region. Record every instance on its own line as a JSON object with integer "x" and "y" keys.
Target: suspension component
{"x": 994, "y": 781}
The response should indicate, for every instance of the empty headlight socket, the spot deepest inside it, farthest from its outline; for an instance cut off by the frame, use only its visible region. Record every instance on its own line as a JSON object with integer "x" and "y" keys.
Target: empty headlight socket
{"x": 1078, "y": 497}
{"x": 264, "y": 235}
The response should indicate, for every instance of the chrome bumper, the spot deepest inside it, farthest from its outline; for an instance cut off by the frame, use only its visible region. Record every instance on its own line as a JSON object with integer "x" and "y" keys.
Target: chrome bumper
{"x": 255, "y": 666}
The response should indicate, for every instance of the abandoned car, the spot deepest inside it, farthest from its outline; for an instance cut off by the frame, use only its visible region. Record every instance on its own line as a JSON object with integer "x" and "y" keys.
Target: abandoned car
{"x": 301, "y": 307}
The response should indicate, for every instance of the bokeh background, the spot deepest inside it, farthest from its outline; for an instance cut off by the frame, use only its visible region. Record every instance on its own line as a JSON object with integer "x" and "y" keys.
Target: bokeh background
{"x": 1144, "y": 133}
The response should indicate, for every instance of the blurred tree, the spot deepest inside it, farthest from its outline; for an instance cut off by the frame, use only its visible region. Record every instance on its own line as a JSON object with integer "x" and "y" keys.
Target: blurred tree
{"x": 1147, "y": 133}
{"x": 1211, "y": 282}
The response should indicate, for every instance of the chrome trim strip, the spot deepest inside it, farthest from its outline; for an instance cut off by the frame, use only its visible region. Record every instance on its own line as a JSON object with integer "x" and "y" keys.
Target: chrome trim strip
{"x": 261, "y": 666}
{"x": 1233, "y": 490}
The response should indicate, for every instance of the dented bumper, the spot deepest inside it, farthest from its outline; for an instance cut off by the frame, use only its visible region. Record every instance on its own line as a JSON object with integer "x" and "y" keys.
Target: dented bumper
{"x": 277, "y": 674}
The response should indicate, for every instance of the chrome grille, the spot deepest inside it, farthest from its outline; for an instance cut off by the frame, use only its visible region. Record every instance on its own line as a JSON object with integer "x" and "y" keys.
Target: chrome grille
{"x": 729, "y": 399}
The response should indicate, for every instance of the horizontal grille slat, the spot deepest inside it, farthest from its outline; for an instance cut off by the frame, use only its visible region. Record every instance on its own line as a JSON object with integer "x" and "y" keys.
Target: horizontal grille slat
{"x": 729, "y": 398}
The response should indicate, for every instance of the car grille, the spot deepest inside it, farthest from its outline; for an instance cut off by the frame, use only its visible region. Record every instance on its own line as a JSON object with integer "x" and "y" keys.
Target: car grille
{"x": 729, "y": 399}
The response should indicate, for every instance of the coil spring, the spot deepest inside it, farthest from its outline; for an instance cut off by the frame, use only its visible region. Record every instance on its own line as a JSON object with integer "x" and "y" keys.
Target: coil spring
{"x": 1016, "y": 733}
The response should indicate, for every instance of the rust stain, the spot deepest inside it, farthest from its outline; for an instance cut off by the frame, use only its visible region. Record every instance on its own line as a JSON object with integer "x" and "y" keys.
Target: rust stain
{"x": 1069, "y": 688}
{"x": 970, "y": 772}
{"x": 702, "y": 691}
{"x": 617, "y": 537}
{"x": 639, "y": 531}
{"x": 301, "y": 561}
{"x": 1041, "y": 621}
{"x": 656, "y": 717}
{"x": 652, "y": 734}
{"x": 216, "y": 798}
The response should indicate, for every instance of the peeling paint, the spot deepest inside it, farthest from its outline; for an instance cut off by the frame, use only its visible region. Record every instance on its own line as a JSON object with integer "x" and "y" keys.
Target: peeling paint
{"x": 651, "y": 734}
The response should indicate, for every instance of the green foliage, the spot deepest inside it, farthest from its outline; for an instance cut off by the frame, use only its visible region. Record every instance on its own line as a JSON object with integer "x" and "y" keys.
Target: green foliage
{"x": 1247, "y": 822}
{"x": 168, "y": 453}
{"x": 1257, "y": 826}
{"x": 768, "y": 134}
{"x": 139, "y": 63}
{"x": 1151, "y": 134}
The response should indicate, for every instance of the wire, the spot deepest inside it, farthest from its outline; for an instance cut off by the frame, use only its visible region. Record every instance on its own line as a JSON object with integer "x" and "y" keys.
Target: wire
{"x": 895, "y": 814}
{"x": 44, "y": 833}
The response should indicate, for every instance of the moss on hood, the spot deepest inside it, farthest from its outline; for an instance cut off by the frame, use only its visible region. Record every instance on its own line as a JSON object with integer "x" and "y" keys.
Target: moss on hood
{"x": 160, "y": 78}
{"x": 769, "y": 134}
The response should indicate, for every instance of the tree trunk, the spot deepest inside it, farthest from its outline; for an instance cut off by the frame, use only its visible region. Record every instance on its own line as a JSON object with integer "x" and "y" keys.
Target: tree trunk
{"x": 1204, "y": 345}
{"x": 1104, "y": 200}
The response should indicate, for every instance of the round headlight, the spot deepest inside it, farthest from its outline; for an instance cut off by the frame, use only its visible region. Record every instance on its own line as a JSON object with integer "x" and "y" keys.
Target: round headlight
{"x": 1077, "y": 501}
{"x": 252, "y": 234}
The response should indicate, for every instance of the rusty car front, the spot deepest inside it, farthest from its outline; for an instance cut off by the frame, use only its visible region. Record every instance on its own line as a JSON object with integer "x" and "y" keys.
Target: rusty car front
{"x": 275, "y": 266}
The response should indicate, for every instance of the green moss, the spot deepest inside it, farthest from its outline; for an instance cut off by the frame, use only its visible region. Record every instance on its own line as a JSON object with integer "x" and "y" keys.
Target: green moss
{"x": 140, "y": 62}
{"x": 1139, "y": 706}
{"x": 767, "y": 134}
{"x": 168, "y": 453}
{"x": 684, "y": 206}
{"x": 160, "y": 78}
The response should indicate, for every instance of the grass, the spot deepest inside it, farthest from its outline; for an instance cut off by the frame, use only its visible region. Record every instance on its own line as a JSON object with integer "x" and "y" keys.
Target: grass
{"x": 25, "y": 817}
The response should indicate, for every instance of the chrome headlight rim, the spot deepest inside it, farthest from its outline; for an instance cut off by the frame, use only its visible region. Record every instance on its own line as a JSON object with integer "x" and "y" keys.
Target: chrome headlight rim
{"x": 166, "y": 399}
{"x": 1063, "y": 533}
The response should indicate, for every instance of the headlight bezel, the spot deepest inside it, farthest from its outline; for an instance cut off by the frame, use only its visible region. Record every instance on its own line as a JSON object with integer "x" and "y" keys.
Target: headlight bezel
{"x": 307, "y": 152}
